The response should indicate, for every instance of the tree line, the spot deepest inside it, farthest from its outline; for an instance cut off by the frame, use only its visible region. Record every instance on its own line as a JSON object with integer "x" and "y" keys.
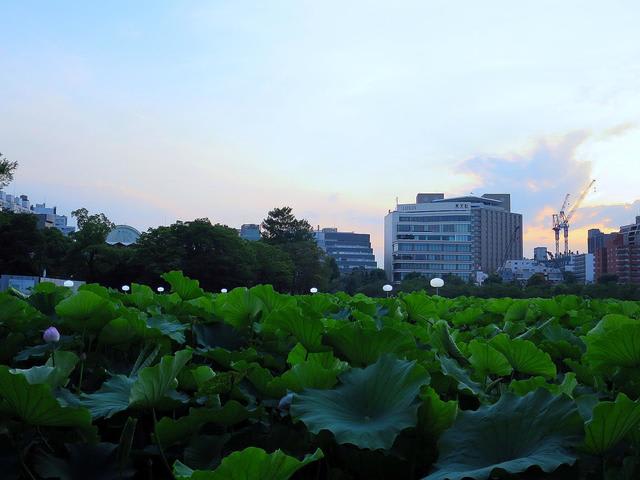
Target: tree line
{"x": 287, "y": 256}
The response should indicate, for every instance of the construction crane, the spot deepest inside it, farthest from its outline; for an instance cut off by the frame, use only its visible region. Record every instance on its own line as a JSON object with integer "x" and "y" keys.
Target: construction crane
{"x": 561, "y": 219}
{"x": 557, "y": 222}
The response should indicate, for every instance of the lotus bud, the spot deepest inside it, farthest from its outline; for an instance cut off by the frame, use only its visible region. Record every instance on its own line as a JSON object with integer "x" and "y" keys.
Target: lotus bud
{"x": 285, "y": 402}
{"x": 51, "y": 335}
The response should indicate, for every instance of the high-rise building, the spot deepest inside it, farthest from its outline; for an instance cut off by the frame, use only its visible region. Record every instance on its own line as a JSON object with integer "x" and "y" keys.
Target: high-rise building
{"x": 250, "y": 231}
{"x": 460, "y": 236}
{"x": 620, "y": 255}
{"x": 595, "y": 240}
{"x": 350, "y": 250}
{"x": 582, "y": 266}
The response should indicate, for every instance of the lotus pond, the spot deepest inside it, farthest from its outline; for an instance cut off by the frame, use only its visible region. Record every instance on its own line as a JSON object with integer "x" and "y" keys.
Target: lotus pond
{"x": 253, "y": 384}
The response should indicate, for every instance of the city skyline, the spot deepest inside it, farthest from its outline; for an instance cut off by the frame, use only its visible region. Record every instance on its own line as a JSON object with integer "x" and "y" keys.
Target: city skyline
{"x": 156, "y": 112}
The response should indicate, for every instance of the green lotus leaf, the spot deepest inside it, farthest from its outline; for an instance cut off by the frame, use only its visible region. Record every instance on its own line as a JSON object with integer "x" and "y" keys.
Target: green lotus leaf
{"x": 443, "y": 341}
{"x": 452, "y": 369}
{"x": 610, "y": 423}
{"x": 54, "y": 373}
{"x": 85, "y": 311}
{"x": 371, "y": 406}
{"x": 522, "y": 387}
{"x": 155, "y": 384}
{"x": 510, "y": 436}
{"x": 141, "y": 296}
{"x": 249, "y": 464}
{"x": 18, "y": 316}
{"x": 524, "y": 356}
{"x": 35, "y": 404}
{"x": 363, "y": 346}
{"x": 185, "y": 287}
{"x": 307, "y": 331}
{"x": 486, "y": 360}
{"x": 261, "y": 378}
{"x": 214, "y": 335}
{"x": 166, "y": 325}
{"x": 318, "y": 371}
{"x": 298, "y": 354}
{"x": 111, "y": 398}
{"x": 239, "y": 308}
{"x": 468, "y": 316}
{"x": 271, "y": 299}
{"x": 170, "y": 431}
{"x": 422, "y": 307}
{"x": 434, "y": 414}
{"x": 46, "y": 295}
{"x": 516, "y": 311}
{"x": 610, "y": 346}
{"x": 123, "y": 330}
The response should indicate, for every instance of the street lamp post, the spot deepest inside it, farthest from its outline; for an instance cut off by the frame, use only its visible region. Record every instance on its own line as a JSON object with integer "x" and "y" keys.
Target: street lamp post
{"x": 437, "y": 283}
{"x": 125, "y": 288}
{"x": 313, "y": 290}
{"x": 160, "y": 289}
{"x": 387, "y": 289}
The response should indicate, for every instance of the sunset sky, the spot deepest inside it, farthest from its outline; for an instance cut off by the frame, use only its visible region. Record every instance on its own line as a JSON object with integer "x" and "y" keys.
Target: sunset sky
{"x": 152, "y": 111}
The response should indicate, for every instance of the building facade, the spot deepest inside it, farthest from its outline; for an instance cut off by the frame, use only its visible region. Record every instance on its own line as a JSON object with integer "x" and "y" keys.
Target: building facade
{"x": 523, "y": 270}
{"x": 620, "y": 255}
{"x": 350, "y": 250}
{"x": 47, "y": 216}
{"x": 123, "y": 235}
{"x": 583, "y": 266}
{"x": 460, "y": 236}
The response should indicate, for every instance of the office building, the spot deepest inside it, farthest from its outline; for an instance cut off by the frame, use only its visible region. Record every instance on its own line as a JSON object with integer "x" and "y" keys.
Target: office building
{"x": 350, "y": 250}
{"x": 461, "y": 236}
{"x": 250, "y": 231}
{"x": 620, "y": 255}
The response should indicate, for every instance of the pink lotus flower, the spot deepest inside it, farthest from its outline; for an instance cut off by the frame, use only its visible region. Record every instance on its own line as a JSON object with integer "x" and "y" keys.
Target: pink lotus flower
{"x": 51, "y": 335}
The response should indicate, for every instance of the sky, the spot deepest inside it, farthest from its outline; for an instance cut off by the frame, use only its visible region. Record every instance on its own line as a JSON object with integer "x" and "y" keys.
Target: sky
{"x": 156, "y": 111}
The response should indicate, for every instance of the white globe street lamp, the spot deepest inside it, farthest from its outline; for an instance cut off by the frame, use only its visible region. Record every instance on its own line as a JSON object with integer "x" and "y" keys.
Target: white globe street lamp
{"x": 387, "y": 289}
{"x": 313, "y": 290}
{"x": 160, "y": 289}
{"x": 223, "y": 290}
{"x": 126, "y": 288}
{"x": 437, "y": 283}
{"x": 68, "y": 283}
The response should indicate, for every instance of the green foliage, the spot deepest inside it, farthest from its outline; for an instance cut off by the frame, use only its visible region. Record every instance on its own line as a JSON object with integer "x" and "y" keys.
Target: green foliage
{"x": 396, "y": 387}
{"x": 504, "y": 438}
{"x": 370, "y": 407}
{"x": 250, "y": 464}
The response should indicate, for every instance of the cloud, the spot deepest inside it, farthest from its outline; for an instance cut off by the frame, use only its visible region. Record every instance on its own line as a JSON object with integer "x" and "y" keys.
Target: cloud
{"x": 538, "y": 178}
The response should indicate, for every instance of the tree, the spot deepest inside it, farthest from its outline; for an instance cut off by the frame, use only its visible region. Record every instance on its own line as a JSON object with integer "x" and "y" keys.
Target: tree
{"x": 272, "y": 266}
{"x": 7, "y": 168}
{"x": 20, "y": 241}
{"x": 89, "y": 244}
{"x": 281, "y": 226}
{"x": 213, "y": 254}
{"x": 413, "y": 282}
